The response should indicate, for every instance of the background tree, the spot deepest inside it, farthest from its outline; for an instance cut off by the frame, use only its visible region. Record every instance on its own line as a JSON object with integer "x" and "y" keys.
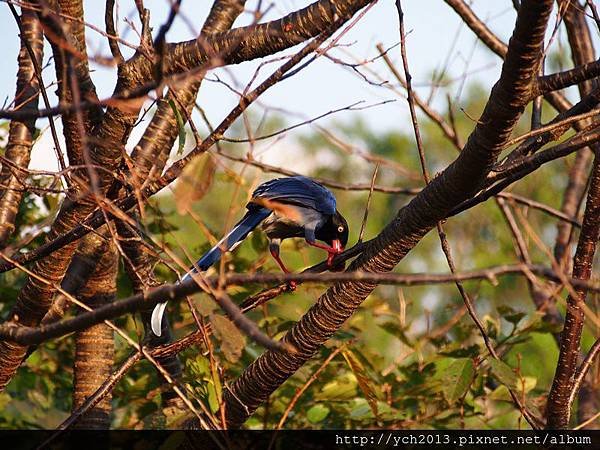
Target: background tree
{"x": 496, "y": 325}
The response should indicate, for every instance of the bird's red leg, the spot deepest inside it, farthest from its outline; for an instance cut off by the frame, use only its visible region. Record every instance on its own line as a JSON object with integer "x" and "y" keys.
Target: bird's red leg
{"x": 276, "y": 257}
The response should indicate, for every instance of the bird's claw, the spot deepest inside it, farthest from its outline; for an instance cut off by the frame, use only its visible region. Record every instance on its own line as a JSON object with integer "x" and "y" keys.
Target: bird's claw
{"x": 332, "y": 254}
{"x": 330, "y": 257}
{"x": 292, "y": 285}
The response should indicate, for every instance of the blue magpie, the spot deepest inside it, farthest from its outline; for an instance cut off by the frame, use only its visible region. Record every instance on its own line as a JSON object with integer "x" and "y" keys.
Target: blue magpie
{"x": 287, "y": 207}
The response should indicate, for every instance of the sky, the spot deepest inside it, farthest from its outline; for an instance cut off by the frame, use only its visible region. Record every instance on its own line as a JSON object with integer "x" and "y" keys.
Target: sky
{"x": 436, "y": 40}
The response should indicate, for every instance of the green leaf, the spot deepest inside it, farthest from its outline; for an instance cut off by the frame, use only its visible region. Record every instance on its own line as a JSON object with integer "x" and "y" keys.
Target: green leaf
{"x": 492, "y": 326}
{"x": 198, "y": 367}
{"x": 317, "y": 413}
{"x": 50, "y": 201}
{"x": 537, "y": 323}
{"x": 344, "y": 386}
{"x": 215, "y": 390}
{"x": 503, "y": 373}
{"x": 396, "y": 330}
{"x": 362, "y": 410}
{"x": 510, "y": 314}
{"x": 364, "y": 382}
{"x": 194, "y": 182}
{"x": 232, "y": 339}
{"x": 459, "y": 352}
{"x": 140, "y": 386}
{"x": 525, "y": 385}
{"x": 457, "y": 378}
{"x": 180, "y": 126}
{"x": 259, "y": 242}
{"x": 386, "y": 412}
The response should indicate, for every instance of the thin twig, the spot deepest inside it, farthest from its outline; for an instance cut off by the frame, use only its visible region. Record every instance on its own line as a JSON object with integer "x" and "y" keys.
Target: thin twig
{"x": 306, "y": 385}
{"x": 367, "y": 206}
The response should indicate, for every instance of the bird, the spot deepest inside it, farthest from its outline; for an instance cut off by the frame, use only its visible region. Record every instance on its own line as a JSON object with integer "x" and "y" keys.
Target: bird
{"x": 287, "y": 207}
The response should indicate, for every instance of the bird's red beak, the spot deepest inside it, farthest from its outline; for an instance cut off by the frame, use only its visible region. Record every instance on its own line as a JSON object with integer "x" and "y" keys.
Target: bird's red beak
{"x": 337, "y": 248}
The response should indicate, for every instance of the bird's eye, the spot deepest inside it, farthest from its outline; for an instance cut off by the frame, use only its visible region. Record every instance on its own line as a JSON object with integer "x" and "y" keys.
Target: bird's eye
{"x": 340, "y": 229}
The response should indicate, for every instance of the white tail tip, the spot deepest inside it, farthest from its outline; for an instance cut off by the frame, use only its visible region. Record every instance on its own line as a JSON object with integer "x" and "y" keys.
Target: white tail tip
{"x": 156, "y": 319}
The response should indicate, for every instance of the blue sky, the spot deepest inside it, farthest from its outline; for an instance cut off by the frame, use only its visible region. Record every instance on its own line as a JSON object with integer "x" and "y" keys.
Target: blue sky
{"x": 436, "y": 39}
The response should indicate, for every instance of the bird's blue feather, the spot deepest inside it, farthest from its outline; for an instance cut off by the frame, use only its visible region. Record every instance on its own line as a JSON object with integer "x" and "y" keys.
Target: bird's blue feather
{"x": 298, "y": 190}
{"x": 240, "y": 231}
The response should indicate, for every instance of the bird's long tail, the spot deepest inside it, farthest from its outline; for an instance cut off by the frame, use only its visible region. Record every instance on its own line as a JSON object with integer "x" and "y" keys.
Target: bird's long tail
{"x": 238, "y": 233}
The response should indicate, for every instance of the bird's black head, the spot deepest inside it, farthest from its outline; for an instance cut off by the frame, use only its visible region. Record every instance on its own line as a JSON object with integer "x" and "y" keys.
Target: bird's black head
{"x": 334, "y": 231}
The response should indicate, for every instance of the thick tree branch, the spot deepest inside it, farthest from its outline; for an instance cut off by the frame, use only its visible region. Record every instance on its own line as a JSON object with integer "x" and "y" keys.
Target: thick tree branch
{"x": 255, "y": 41}
{"x": 479, "y": 28}
{"x": 94, "y": 346}
{"x": 579, "y": 74}
{"x": 582, "y": 53}
{"x": 151, "y": 153}
{"x": 109, "y": 136}
{"x": 20, "y": 137}
{"x": 82, "y": 266}
{"x": 72, "y": 69}
{"x": 109, "y": 24}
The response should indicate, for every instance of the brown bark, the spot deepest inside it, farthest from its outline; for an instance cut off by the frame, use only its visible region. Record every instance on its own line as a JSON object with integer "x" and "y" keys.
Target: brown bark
{"x": 582, "y": 52}
{"x": 558, "y": 407}
{"x": 21, "y": 133}
{"x": 583, "y": 55}
{"x": 454, "y": 184}
{"x": 83, "y": 265}
{"x": 36, "y": 296}
{"x": 151, "y": 153}
{"x": 254, "y": 41}
{"x": 94, "y": 347}
{"x": 478, "y": 27}
{"x": 72, "y": 69}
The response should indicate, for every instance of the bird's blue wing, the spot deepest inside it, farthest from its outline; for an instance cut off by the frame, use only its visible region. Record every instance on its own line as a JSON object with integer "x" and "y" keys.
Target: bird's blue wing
{"x": 298, "y": 190}
{"x": 239, "y": 232}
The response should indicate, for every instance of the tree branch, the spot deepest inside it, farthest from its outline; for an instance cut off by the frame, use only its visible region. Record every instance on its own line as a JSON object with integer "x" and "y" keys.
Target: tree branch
{"x": 23, "y": 335}
{"x": 255, "y": 41}
{"x": 20, "y": 137}
{"x": 71, "y": 68}
{"x": 151, "y": 153}
{"x": 559, "y": 405}
{"x": 94, "y": 346}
